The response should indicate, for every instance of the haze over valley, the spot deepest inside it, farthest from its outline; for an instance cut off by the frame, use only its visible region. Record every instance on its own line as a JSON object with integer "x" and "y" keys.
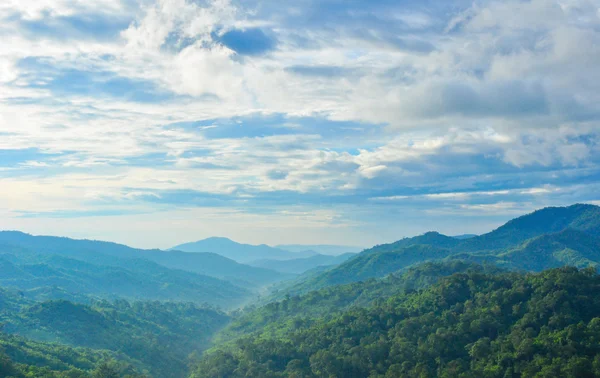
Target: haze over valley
{"x": 71, "y": 306}
{"x": 299, "y": 189}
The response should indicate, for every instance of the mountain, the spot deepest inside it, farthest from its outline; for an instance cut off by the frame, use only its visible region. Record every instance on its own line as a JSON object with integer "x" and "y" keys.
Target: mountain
{"x": 550, "y": 220}
{"x": 243, "y": 253}
{"x": 470, "y": 324}
{"x": 390, "y": 310}
{"x": 299, "y": 266}
{"x": 153, "y": 336}
{"x": 334, "y": 300}
{"x": 324, "y": 249}
{"x": 368, "y": 265}
{"x": 581, "y": 217}
{"x": 432, "y": 238}
{"x": 24, "y": 358}
{"x": 112, "y": 254}
{"x": 567, "y": 236}
{"x": 464, "y": 236}
{"x": 568, "y": 247}
{"x": 55, "y": 276}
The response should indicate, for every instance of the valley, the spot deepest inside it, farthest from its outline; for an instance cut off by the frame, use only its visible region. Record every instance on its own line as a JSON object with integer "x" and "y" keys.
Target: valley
{"x": 75, "y": 307}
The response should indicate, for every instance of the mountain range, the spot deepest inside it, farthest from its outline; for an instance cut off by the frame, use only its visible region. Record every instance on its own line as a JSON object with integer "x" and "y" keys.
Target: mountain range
{"x": 301, "y": 265}
{"x": 109, "y": 269}
{"x": 242, "y": 253}
{"x": 546, "y": 238}
{"x": 324, "y": 249}
{"x": 147, "y": 310}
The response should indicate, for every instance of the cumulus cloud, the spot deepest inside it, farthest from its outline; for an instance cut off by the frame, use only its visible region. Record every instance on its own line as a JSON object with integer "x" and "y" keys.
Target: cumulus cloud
{"x": 365, "y": 107}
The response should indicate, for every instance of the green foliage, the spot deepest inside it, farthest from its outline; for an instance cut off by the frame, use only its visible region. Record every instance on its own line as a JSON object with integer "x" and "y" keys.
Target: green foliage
{"x": 22, "y": 358}
{"x": 370, "y": 265}
{"x": 386, "y": 312}
{"x": 152, "y": 336}
{"x": 297, "y": 311}
{"x": 547, "y": 238}
{"x": 467, "y": 325}
{"x": 105, "y": 370}
{"x": 136, "y": 273}
{"x": 52, "y": 277}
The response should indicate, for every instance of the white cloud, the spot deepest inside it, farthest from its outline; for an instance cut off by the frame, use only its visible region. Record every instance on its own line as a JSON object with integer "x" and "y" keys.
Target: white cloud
{"x": 38, "y": 9}
{"x": 508, "y": 87}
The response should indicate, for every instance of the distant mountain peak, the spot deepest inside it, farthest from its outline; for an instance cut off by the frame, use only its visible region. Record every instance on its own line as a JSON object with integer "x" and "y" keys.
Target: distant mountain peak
{"x": 464, "y": 236}
{"x": 433, "y": 233}
{"x": 239, "y": 252}
{"x": 219, "y": 238}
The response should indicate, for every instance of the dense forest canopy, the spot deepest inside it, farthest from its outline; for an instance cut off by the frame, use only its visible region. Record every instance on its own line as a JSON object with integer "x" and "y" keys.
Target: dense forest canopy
{"x": 467, "y": 325}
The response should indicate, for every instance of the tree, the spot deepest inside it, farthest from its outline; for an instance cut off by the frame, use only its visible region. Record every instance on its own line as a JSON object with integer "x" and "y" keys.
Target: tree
{"x": 104, "y": 370}
{"x": 7, "y": 368}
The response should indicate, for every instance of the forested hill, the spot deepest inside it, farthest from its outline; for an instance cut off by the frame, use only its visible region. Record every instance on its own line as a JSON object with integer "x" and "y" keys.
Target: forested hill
{"x": 580, "y": 217}
{"x": 79, "y": 308}
{"x": 334, "y": 300}
{"x": 23, "y": 358}
{"x": 46, "y": 267}
{"x": 467, "y": 325}
{"x": 150, "y": 338}
{"x": 41, "y": 276}
{"x": 114, "y": 254}
{"x": 547, "y": 238}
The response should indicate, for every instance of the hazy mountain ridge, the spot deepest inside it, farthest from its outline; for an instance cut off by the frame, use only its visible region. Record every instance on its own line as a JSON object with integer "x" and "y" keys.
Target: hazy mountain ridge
{"x": 243, "y": 253}
{"x": 378, "y": 279}
{"x": 569, "y": 232}
{"x": 105, "y": 253}
{"x": 141, "y": 280}
{"x": 464, "y": 236}
{"x": 154, "y": 337}
{"x": 324, "y": 249}
{"x": 299, "y": 266}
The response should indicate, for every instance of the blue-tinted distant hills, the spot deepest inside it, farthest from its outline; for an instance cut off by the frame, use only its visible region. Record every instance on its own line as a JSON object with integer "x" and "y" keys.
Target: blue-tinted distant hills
{"x": 110, "y": 270}
{"x": 299, "y": 266}
{"x": 464, "y": 236}
{"x": 239, "y": 252}
{"x": 324, "y": 249}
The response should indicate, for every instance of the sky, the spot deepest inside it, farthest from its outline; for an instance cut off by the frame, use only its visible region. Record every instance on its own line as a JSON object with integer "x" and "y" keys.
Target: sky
{"x": 357, "y": 122}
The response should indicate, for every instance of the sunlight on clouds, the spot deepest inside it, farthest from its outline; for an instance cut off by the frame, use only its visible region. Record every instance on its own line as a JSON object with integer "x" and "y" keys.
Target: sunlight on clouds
{"x": 486, "y": 108}
{"x": 36, "y": 9}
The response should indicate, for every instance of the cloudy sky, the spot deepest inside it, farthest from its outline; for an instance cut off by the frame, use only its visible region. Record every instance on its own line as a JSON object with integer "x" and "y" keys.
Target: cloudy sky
{"x": 155, "y": 122}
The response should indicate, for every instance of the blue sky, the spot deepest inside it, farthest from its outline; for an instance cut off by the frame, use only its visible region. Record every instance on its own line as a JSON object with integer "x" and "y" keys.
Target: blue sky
{"x": 359, "y": 122}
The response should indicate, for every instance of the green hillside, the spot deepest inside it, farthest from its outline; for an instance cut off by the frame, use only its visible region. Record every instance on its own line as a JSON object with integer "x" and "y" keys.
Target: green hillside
{"x": 368, "y": 265}
{"x": 24, "y": 358}
{"x": 568, "y": 247}
{"x": 112, "y": 254}
{"x": 467, "y": 325}
{"x": 155, "y": 337}
{"x": 547, "y": 238}
{"x": 333, "y": 300}
{"x": 388, "y": 311}
{"x": 580, "y": 217}
{"x": 38, "y": 275}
